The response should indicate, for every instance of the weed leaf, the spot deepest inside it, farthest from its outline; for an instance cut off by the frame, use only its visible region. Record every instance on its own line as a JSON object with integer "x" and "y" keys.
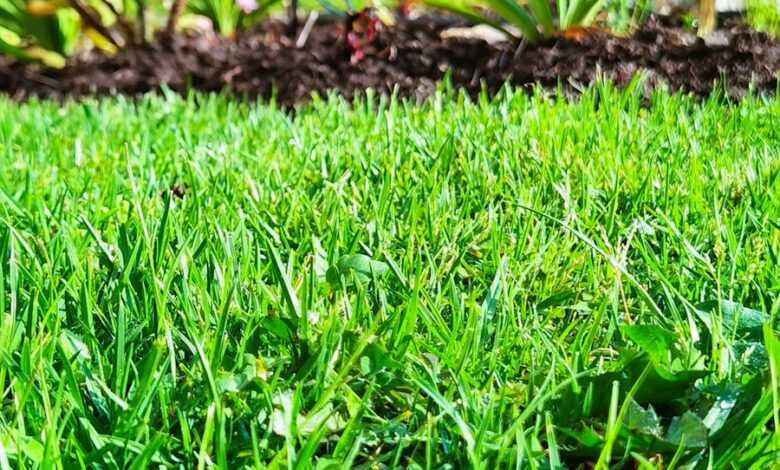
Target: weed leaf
{"x": 745, "y": 322}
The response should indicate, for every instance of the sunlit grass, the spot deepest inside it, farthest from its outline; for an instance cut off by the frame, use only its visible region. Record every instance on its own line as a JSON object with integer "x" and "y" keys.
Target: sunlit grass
{"x": 527, "y": 282}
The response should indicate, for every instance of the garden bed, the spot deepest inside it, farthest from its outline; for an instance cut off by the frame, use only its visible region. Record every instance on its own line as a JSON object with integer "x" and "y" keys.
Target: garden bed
{"x": 411, "y": 57}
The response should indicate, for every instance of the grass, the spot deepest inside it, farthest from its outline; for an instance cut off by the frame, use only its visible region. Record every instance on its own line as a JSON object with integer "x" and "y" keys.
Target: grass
{"x": 525, "y": 282}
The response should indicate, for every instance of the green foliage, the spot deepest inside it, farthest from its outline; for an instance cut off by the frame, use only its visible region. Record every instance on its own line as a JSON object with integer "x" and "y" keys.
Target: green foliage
{"x": 764, "y": 15}
{"x": 20, "y": 30}
{"x": 359, "y": 267}
{"x": 534, "y": 21}
{"x": 525, "y": 282}
{"x": 227, "y": 16}
{"x": 49, "y": 30}
{"x": 339, "y": 7}
{"x": 624, "y": 16}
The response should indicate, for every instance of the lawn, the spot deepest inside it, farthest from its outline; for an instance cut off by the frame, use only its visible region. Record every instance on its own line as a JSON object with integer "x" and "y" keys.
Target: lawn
{"x": 520, "y": 282}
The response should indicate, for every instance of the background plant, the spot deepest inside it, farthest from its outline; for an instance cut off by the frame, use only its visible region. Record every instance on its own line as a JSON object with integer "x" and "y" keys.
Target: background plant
{"x": 230, "y": 15}
{"x": 764, "y": 15}
{"x": 31, "y": 31}
{"x": 50, "y": 30}
{"x": 535, "y": 21}
{"x": 625, "y": 16}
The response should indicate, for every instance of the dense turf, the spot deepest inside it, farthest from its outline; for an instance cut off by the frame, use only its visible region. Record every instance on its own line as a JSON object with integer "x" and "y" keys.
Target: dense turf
{"x": 525, "y": 283}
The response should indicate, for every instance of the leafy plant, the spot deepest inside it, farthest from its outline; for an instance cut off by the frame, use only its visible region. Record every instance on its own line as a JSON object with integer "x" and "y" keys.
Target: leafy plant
{"x": 230, "y": 15}
{"x": 49, "y": 30}
{"x": 34, "y": 30}
{"x": 534, "y": 21}
{"x": 671, "y": 404}
{"x": 627, "y": 15}
{"x": 764, "y": 15}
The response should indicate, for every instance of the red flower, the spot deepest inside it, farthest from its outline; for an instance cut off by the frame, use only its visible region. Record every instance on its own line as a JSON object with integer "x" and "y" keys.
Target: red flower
{"x": 362, "y": 29}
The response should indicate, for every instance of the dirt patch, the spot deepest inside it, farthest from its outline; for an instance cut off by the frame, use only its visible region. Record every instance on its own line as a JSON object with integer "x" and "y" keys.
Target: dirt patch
{"x": 411, "y": 58}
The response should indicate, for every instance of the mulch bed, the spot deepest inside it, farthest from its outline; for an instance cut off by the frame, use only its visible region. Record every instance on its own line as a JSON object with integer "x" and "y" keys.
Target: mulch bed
{"x": 410, "y": 57}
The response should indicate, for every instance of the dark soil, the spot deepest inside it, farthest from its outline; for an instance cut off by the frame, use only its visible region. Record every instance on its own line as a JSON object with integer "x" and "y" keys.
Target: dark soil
{"x": 410, "y": 57}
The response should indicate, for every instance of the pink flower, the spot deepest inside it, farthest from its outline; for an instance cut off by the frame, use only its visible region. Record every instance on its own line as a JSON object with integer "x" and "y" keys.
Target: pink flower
{"x": 247, "y": 6}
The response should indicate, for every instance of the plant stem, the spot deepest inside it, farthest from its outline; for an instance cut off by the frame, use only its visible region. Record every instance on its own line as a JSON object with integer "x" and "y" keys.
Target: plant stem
{"x": 121, "y": 21}
{"x": 292, "y": 14}
{"x": 93, "y": 22}
{"x": 141, "y": 20}
{"x": 707, "y": 17}
{"x": 176, "y": 10}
